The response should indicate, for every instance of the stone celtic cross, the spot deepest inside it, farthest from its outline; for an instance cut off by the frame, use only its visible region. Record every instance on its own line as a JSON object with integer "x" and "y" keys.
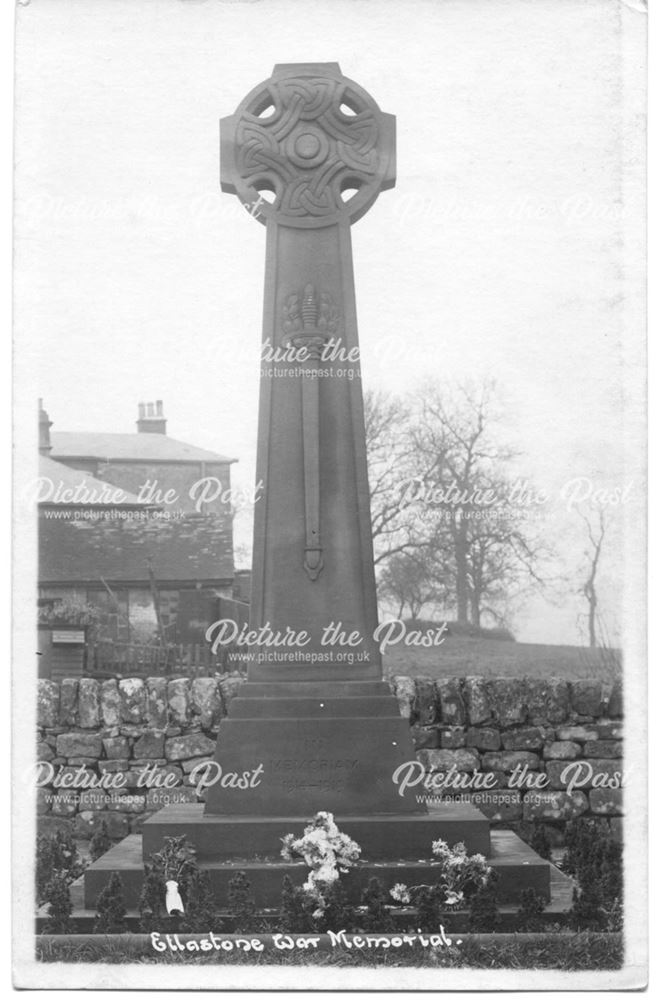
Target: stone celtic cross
{"x": 307, "y": 152}
{"x": 307, "y": 136}
{"x": 315, "y": 726}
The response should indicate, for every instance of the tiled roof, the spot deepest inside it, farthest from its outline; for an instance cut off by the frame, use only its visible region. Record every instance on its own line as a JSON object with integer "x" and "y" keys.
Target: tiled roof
{"x": 128, "y": 447}
{"x": 57, "y": 481}
{"x": 195, "y": 548}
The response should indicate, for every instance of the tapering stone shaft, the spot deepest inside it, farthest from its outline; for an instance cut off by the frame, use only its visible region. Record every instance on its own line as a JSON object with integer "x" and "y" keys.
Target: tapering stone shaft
{"x": 309, "y": 136}
{"x": 315, "y": 727}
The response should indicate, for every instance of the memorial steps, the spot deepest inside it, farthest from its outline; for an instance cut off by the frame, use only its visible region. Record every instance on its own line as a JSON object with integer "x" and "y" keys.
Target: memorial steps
{"x": 517, "y": 866}
{"x": 395, "y": 838}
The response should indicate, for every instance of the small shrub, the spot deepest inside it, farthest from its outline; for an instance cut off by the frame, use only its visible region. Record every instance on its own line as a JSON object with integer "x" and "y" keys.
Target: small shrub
{"x": 110, "y": 908}
{"x": 60, "y": 907}
{"x": 300, "y": 914}
{"x": 428, "y": 900}
{"x": 532, "y": 905}
{"x": 484, "y": 916}
{"x": 152, "y": 901}
{"x": 589, "y": 910}
{"x": 241, "y": 904}
{"x": 611, "y": 870}
{"x": 100, "y": 842}
{"x": 56, "y": 854}
{"x": 338, "y": 913}
{"x": 579, "y": 838}
{"x": 200, "y": 905}
{"x": 295, "y": 909}
{"x": 594, "y": 858}
{"x": 586, "y": 912}
{"x": 377, "y": 916}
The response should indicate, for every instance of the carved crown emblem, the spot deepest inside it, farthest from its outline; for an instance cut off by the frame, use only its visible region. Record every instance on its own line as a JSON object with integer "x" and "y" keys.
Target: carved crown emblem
{"x": 310, "y": 313}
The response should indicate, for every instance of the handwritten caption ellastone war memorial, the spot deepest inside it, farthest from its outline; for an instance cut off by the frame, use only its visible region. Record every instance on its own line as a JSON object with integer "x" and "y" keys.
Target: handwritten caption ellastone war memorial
{"x": 298, "y": 942}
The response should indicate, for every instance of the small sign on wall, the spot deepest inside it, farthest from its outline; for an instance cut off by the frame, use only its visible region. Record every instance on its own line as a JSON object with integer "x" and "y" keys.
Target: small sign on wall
{"x": 68, "y": 637}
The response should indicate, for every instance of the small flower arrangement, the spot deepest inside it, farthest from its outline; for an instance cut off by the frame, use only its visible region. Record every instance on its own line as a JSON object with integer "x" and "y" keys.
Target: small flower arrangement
{"x": 401, "y": 894}
{"x": 174, "y": 865}
{"x": 461, "y": 876}
{"x": 327, "y": 851}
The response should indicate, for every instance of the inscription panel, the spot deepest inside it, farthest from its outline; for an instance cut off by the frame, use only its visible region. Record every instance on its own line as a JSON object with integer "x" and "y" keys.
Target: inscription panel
{"x": 311, "y": 764}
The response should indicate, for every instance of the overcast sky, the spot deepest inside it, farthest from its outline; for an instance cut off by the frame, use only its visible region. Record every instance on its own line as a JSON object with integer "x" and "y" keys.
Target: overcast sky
{"x": 506, "y": 247}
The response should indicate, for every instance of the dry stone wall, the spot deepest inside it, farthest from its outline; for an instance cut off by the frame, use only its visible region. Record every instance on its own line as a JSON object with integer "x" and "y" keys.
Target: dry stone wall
{"x": 553, "y": 747}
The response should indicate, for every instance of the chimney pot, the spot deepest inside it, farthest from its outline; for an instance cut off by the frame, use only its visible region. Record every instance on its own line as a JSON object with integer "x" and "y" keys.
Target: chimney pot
{"x": 45, "y": 423}
{"x": 151, "y": 418}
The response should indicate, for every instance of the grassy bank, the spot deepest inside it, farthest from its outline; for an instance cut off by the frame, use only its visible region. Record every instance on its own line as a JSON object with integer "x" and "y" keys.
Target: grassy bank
{"x": 459, "y": 656}
{"x": 564, "y": 951}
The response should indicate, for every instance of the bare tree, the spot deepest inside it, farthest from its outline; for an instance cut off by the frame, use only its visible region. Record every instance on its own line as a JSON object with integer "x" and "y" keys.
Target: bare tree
{"x": 409, "y": 580}
{"x": 596, "y": 529}
{"x": 396, "y": 527}
{"x": 487, "y": 549}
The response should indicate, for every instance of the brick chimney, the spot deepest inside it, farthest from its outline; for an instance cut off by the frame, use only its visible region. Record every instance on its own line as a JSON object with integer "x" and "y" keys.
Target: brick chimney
{"x": 44, "y": 430}
{"x": 151, "y": 418}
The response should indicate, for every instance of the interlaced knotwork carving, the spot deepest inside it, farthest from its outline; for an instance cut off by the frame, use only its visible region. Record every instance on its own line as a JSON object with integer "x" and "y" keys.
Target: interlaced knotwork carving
{"x": 308, "y": 139}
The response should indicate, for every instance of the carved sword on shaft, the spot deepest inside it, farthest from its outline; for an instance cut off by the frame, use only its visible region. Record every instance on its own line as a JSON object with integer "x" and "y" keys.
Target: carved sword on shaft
{"x": 313, "y": 340}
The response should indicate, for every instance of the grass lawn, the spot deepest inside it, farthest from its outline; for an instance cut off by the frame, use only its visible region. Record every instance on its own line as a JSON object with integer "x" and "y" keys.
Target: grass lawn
{"x": 459, "y": 656}
{"x": 585, "y": 951}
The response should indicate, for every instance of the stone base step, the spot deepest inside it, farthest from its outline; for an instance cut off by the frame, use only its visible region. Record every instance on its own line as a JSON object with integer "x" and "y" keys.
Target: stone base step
{"x": 218, "y": 837}
{"x": 318, "y": 706}
{"x": 264, "y": 690}
{"x": 518, "y": 868}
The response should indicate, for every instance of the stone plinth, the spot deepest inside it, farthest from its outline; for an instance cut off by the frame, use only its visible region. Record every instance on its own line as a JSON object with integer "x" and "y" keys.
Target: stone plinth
{"x": 224, "y": 837}
{"x": 517, "y": 866}
{"x": 336, "y": 751}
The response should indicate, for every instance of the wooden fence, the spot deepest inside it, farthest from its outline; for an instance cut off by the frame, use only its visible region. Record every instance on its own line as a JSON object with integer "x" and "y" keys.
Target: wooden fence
{"x": 123, "y": 659}
{"x": 110, "y": 658}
